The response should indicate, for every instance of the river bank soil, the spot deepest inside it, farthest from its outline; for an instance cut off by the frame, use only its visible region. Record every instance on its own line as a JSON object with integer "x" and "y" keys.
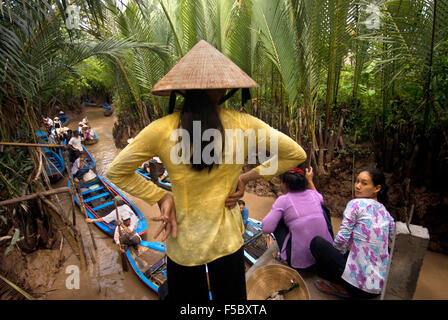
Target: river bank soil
{"x": 46, "y": 274}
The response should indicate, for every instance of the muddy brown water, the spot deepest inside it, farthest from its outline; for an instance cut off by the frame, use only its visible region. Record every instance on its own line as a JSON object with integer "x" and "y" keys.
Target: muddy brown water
{"x": 105, "y": 279}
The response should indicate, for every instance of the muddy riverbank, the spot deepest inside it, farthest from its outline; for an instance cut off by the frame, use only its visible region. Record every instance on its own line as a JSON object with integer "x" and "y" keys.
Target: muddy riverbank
{"x": 46, "y": 273}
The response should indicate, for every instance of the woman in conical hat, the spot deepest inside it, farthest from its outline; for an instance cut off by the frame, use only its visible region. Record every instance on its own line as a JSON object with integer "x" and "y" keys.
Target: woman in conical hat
{"x": 200, "y": 219}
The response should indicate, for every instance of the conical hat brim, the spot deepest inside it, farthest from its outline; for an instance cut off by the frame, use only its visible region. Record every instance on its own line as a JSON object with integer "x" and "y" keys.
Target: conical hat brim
{"x": 203, "y": 67}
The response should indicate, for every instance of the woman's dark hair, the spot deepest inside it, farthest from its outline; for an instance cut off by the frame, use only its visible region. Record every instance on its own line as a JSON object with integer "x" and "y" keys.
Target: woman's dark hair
{"x": 241, "y": 202}
{"x": 379, "y": 179}
{"x": 199, "y": 107}
{"x": 294, "y": 181}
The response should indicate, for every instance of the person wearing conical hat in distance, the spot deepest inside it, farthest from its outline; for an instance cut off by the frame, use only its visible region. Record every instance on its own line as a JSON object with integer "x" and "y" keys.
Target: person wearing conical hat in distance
{"x": 296, "y": 218}
{"x": 57, "y": 122}
{"x": 354, "y": 265}
{"x": 200, "y": 220}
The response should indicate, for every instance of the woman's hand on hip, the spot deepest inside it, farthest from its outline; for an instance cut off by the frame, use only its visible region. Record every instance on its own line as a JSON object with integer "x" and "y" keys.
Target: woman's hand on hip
{"x": 167, "y": 217}
{"x": 238, "y": 194}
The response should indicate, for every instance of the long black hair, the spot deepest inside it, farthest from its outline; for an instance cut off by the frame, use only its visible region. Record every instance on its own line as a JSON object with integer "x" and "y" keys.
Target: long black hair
{"x": 295, "y": 181}
{"x": 198, "y": 106}
{"x": 379, "y": 179}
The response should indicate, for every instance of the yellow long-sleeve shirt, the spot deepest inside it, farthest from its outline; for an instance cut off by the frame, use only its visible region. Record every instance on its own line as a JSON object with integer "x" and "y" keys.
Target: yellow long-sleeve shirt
{"x": 207, "y": 230}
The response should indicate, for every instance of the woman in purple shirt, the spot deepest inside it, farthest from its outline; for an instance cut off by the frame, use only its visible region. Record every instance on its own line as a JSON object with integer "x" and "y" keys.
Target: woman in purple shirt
{"x": 296, "y": 218}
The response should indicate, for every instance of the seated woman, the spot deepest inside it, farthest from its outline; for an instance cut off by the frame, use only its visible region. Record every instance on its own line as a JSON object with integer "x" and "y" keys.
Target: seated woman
{"x": 80, "y": 168}
{"x": 88, "y": 133}
{"x": 296, "y": 218}
{"x": 145, "y": 166}
{"x": 360, "y": 271}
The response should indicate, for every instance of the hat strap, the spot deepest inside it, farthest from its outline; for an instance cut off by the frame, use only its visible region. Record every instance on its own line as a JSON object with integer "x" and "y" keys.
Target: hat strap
{"x": 245, "y": 95}
{"x": 227, "y": 96}
{"x": 173, "y": 100}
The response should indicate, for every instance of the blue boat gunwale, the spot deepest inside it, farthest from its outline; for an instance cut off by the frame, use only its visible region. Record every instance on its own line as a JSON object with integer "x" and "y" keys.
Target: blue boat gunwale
{"x": 52, "y": 156}
{"x": 107, "y": 227}
{"x": 256, "y": 225}
{"x": 153, "y": 245}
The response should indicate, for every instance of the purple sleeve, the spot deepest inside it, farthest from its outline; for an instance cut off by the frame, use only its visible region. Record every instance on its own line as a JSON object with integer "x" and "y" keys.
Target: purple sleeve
{"x": 342, "y": 240}
{"x": 270, "y": 221}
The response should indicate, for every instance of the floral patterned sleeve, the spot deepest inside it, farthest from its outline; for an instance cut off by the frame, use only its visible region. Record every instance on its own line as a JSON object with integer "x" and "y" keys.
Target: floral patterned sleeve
{"x": 342, "y": 240}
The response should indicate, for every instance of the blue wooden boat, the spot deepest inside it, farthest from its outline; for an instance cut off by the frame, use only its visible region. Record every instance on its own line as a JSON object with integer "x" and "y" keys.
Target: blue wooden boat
{"x": 89, "y": 159}
{"x": 41, "y": 135}
{"x": 107, "y": 109}
{"x": 165, "y": 185}
{"x": 64, "y": 119}
{"x": 150, "y": 266}
{"x": 255, "y": 242}
{"x": 98, "y": 195}
{"x": 89, "y": 104}
{"x": 54, "y": 165}
{"x": 90, "y": 141}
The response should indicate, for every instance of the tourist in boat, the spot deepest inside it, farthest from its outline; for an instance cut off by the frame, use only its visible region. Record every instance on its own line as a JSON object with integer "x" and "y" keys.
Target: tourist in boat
{"x": 355, "y": 263}
{"x": 126, "y": 235}
{"x": 80, "y": 127}
{"x": 164, "y": 177}
{"x": 75, "y": 146}
{"x": 62, "y": 116}
{"x": 244, "y": 212}
{"x": 80, "y": 168}
{"x": 47, "y": 122}
{"x": 296, "y": 218}
{"x": 57, "y": 123}
{"x": 89, "y": 134}
{"x": 145, "y": 166}
{"x": 122, "y": 208}
{"x": 201, "y": 221}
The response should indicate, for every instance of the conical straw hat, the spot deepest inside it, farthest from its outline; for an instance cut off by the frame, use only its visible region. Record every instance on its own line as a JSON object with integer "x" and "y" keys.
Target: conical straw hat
{"x": 272, "y": 278}
{"x": 203, "y": 67}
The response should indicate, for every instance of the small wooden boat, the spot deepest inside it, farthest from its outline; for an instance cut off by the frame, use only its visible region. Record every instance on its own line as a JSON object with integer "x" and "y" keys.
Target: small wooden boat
{"x": 98, "y": 195}
{"x": 90, "y": 141}
{"x": 89, "y": 158}
{"x": 90, "y": 104}
{"x": 90, "y": 161}
{"x": 255, "y": 242}
{"x": 54, "y": 165}
{"x": 107, "y": 110}
{"x": 165, "y": 185}
{"x": 64, "y": 119}
{"x": 42, "y": 137}
{"x": 150, "y": 266}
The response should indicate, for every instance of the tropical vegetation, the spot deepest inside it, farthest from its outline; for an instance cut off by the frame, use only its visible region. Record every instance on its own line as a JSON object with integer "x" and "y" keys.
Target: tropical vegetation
{"x": 332, "y": 73}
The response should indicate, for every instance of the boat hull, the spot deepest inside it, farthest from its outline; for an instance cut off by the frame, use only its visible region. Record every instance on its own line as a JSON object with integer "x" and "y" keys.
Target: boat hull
{"x": 98, "y": 195}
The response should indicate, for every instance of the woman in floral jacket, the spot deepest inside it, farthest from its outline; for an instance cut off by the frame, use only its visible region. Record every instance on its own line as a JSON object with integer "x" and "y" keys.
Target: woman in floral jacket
{"x": 355, "y": 264}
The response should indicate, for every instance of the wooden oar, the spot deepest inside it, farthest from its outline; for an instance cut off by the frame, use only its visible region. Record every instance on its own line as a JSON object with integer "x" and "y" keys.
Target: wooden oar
{"x": 123, "y": 257}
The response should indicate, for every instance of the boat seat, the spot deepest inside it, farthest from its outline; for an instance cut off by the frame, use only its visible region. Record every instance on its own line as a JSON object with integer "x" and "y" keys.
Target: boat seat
{"x": 146, "y": 260}
{"x": 102, "y": 195}
{"x": 92, "y": 190}
{"x": 103, "y": 205}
